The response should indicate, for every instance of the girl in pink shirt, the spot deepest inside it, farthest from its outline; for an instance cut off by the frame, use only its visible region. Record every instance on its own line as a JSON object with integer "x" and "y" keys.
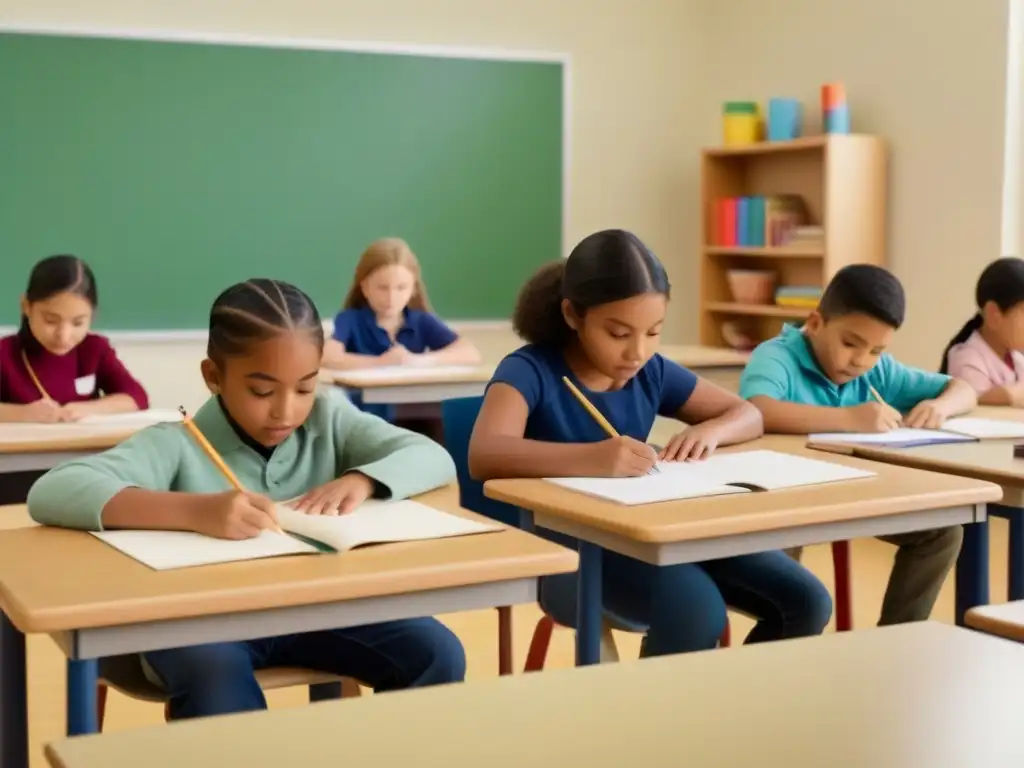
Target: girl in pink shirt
{"x": 53, "y": 369}
{"x": 986, "y": 353}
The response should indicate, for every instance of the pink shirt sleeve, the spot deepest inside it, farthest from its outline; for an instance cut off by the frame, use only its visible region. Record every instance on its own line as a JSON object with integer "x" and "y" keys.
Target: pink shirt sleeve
{"x": 969, "y": 364}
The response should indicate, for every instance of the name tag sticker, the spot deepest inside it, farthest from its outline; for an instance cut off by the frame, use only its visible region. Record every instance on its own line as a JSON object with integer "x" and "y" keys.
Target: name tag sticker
{"x": 85, "y": 385}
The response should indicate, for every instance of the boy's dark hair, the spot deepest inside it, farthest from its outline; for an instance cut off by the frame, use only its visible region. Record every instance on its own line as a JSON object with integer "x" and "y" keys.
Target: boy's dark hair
{"x": 864, "y": 289}
{"x": 1001, "y": 282}
{"x": 257, "y": 310}
{"x": 606, "y": 266}
{"x": 60, "y": 274}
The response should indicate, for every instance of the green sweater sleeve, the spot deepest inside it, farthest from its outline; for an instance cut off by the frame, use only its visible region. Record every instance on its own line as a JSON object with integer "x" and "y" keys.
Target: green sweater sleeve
{"x": 405, "y": 462}
{"x": 73, "y": 495}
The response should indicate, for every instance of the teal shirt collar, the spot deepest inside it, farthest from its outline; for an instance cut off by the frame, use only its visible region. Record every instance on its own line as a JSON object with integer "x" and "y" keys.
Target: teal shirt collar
{"x": 215, "y": 425}
{"x": 800, "y": 346}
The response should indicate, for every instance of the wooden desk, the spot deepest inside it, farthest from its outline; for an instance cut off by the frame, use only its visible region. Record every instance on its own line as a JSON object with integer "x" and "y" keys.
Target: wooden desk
{"x": 110, "y": 604}
{"x": 896, "y": 500}
{"x": 909, "y": 696}
{"x": 1005, "y": 620}
{"x": 435, "y": 386}
{"x": 989, "y": 460}
{"x": 32, "y": 447}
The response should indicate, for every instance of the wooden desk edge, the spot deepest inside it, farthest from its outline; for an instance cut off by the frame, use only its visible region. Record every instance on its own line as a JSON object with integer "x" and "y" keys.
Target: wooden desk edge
{"x": 984, "y": 492}
{"x": 66, "y": 445}
{"x": 980, "y": 618}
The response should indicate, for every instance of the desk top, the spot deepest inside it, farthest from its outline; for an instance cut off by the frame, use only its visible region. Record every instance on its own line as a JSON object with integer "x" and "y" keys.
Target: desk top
{"x": 691, "y": 356}
{"x": 893, "y": 490}
{"x": 922, "y": 694}
{"x": 58, "y": 438}
{"x": 1005, "y": 620}
{"x": 989, "y": 460}
{"x": 99, "y": 586}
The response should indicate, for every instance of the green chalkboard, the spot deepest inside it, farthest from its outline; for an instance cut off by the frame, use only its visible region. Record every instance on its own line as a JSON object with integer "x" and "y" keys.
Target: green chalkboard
{"x": 177, "y": 168}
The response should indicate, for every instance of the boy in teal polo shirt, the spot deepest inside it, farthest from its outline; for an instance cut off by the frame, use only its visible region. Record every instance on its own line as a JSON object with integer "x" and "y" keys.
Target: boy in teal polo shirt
{"x": 819, "y": 379}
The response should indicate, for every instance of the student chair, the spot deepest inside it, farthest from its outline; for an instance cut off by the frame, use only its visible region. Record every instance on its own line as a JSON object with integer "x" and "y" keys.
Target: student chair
{"x": 459, "y": 416}
{"x": 125, "y": 674}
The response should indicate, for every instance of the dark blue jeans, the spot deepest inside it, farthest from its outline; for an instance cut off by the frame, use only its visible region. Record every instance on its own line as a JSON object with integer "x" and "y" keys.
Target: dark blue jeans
{"x": 684, "y": 606}
{"x": 218, "y": 678}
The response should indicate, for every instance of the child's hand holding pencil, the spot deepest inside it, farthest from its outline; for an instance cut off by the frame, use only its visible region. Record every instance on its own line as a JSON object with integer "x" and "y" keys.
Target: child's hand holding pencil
{"x": 236, "y": 514}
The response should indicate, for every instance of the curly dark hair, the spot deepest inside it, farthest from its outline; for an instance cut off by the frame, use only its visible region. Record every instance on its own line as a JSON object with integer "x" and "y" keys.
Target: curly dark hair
{"x": 606, "y": 266}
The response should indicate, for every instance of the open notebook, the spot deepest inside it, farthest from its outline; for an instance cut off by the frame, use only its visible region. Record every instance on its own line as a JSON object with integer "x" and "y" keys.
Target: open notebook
{"x": 962, "y": 430}
{"x": 374, "y": 522}
{"x": 731, "y": 473}
{"x": 370, "y": 376}
{"x": 114, "y": 423}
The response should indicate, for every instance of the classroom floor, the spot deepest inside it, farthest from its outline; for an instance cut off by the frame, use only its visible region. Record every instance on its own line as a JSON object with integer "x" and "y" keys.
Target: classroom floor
{"x": 478, "y": 631}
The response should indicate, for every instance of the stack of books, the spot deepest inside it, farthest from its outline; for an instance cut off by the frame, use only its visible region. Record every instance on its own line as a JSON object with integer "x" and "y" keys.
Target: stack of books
{"x": 798, "y": 296}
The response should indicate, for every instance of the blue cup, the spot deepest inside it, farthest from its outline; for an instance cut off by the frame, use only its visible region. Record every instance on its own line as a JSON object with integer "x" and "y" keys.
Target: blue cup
{"x": 837, "y": 119}
{"x": 785, "y": 117}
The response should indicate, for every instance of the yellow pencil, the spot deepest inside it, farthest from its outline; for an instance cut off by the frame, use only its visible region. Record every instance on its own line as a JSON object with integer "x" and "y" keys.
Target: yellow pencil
{"x": 594, "y": 413}
{"x": 878, "y": 397}
{"x": 211, "y": 452}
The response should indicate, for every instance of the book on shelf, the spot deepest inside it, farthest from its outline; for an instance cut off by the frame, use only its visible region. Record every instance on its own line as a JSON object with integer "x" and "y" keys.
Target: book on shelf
{"x": 759, "y": 221}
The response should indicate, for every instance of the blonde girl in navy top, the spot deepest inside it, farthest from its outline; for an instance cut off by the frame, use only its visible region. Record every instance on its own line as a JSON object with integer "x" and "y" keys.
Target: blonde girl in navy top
{"x": 597, "y": 318}
{"x": 387, "y": 319}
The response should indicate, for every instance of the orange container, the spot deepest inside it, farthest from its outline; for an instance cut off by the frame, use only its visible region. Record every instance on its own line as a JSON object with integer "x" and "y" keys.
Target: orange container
{"x": 832, "y": 95}
{"x": 751, "y": 286}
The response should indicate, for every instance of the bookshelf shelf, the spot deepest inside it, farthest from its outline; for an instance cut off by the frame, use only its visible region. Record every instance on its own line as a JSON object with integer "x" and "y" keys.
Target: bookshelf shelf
{"x": 841, "y": 180}
{"x": 755, "y": 310}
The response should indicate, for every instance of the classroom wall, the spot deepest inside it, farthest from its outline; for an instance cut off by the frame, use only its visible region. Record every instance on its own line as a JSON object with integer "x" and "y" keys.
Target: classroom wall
{"x": 929, "y": 76}
{"x": 634, "y": 76}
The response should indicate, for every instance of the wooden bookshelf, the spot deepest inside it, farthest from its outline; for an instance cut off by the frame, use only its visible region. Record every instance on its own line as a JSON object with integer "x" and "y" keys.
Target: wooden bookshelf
{"x": 842, "y": 180}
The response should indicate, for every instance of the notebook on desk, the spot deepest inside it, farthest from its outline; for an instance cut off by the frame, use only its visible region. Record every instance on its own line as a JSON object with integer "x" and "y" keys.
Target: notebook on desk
{"x": 961, "y": 430}
{"x": 374, "y": 522}
{"x": 723, "y": 474}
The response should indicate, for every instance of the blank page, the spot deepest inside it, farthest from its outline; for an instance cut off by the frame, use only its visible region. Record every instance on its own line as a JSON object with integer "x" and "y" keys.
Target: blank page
{"x": 991, "y": 429}
{"x": 897, "y": 438}
{"x": 773, "y": 470}
{"x": 378, "y": 522}
{"x": 165, "y": 550}
{"x": 666, "y": 485}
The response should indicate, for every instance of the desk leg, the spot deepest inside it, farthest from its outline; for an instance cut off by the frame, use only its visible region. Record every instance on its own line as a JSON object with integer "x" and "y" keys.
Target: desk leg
{"x": 972, "y": 570}
{"x": 588, "y": 605}
{"x": 13, "y": 697}
{"x": 82, "y": 679}
{"x": 1015, "y": 567}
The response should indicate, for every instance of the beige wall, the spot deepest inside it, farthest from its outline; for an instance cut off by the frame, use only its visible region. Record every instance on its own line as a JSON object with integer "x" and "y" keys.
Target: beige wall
{"x": 634, "y": 76}
{"x": 648, "y": 77}
{"x": 928, "y": 76}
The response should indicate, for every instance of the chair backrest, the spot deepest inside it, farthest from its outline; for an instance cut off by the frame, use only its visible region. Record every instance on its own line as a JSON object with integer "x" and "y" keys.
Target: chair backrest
{"x": 459, "y": 416}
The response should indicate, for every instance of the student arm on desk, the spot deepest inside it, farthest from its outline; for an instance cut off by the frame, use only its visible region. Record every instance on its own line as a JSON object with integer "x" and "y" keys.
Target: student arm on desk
{"x": 74, "y": 494}
{"x": 404, "y": 462}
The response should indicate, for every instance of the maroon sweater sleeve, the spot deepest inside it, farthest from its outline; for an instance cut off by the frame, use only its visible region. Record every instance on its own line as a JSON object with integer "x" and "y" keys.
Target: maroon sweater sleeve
{"x": 112, "y": 378}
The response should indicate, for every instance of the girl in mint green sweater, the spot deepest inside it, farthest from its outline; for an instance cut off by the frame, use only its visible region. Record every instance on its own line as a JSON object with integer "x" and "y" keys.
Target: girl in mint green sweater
{"x": 284, "y": 439}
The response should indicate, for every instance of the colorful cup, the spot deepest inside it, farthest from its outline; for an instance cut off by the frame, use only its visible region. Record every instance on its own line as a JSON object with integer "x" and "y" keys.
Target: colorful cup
{"x": 785, "y": 118}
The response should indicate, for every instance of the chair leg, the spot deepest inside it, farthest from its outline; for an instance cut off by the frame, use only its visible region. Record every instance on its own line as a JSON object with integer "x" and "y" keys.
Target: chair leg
{"x": 505, "y": 640}
{"x": 101, "y": 706}
{"x": 726, "y": 638}
{"x": 324, "y": 692}
{"x": 538, "y": 652}
{"x": 167, "y": 712}
{"x": 609, "y": 651}
{"x": 350, "y": 689}
{"x": 844, "y": 589}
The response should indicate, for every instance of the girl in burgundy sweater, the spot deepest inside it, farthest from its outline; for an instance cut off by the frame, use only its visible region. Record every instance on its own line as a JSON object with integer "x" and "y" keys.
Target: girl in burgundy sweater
{"x": 53, "y": 369}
